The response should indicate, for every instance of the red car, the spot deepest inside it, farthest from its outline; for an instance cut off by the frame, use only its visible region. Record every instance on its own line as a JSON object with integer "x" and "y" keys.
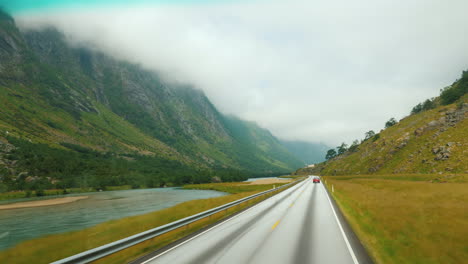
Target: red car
{"x": 316, "y": 180}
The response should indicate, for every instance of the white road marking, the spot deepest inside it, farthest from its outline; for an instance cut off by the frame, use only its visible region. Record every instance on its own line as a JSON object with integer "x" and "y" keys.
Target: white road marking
{"x": 350, "y": 249}
{"x": 192, "y": 238}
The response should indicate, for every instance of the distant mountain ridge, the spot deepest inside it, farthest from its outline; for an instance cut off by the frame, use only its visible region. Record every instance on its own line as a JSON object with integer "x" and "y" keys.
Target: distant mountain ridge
{"x": 309, "y": 153}
{"x": 79, "y": 101}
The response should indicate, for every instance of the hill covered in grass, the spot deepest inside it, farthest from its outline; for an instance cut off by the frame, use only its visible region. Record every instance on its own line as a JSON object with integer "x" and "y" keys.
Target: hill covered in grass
{"x": 432, "y": 139}
{"x": 74, "y": 117}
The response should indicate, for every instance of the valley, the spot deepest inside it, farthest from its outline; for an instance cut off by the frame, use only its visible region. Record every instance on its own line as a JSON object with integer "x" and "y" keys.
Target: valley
{"x": 202, "y": 132}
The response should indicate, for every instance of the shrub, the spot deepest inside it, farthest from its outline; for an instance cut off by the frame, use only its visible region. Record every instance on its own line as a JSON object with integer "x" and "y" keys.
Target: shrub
{"x": 354, "y": 146}
{"x": 452, "y": 93}
{"x": 342, "y": 148}
{"x": 374, "y": 138}
{"x": 390, "y": 122}
{"x": 369, "y": 134}
{"x": 418, "y": 108}
{"x": 428, "y": 104}
{"x": 331, "y": 153}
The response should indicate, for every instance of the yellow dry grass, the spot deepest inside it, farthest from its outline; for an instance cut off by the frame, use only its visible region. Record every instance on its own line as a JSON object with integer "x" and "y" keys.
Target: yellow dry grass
{"x": 270, "y": 181}
{"x": 407, "y": 221}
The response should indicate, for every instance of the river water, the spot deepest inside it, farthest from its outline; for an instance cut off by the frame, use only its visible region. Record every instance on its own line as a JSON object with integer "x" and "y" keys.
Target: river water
{"x": 17, "y": 225}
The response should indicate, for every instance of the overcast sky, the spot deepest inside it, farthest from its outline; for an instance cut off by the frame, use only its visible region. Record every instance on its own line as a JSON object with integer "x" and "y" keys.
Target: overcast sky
{"x": 313, "y": 70}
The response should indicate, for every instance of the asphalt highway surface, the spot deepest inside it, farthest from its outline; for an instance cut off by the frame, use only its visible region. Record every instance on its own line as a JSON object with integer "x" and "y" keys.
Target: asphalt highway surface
{"x": 298, "y": 225}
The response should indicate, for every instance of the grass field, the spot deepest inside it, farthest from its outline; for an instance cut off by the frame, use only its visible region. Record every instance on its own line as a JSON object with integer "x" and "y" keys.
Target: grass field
{"x": 54, "y": 247}
{"x": 407, "y": 218}
{"x": 233, "y": 187}
{"x": 292, "y": 176}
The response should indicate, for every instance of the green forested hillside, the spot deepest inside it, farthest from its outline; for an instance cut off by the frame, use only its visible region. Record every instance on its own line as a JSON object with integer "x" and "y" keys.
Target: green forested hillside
{"x": 433, "y": 139}
{"x": 74, "y": 117}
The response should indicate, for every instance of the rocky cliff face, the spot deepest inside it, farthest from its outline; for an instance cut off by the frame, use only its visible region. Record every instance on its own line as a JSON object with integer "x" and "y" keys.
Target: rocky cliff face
{"x": 59, "y": 95}
{"x": 12, "y": 48}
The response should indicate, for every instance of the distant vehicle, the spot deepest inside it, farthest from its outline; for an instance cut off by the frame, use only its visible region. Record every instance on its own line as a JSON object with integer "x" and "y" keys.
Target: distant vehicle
{"x": 316, "y": 180}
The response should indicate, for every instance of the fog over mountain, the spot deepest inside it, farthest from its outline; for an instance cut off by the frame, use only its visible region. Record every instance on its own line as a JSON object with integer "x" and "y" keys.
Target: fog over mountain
{"x": 317, "y": 71}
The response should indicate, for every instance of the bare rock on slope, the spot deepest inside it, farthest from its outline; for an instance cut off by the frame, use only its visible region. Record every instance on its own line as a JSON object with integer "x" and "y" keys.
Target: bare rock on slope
{"x": 442, "y": 152}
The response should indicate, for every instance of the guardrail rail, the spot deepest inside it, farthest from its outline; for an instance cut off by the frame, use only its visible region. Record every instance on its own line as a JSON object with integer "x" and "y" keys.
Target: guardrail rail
{"x": 108, "y": 249}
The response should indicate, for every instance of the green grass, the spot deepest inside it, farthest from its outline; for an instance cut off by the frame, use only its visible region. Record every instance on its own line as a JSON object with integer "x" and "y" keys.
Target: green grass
{"x": 32, "y": 194}
{"x": 12, "y": 195}
{"x": 407, "y": 218}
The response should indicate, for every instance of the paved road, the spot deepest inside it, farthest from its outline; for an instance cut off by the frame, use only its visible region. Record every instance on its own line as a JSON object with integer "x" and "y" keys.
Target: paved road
{"x": 295, "y": 226}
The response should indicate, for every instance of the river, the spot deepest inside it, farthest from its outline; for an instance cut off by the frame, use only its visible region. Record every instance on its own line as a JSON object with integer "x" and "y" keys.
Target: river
{"x": 17, "y": 225}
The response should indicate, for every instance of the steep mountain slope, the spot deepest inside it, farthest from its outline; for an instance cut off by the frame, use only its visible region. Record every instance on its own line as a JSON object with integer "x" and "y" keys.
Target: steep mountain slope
{"x": 63, "y": 99}
{"x": 257, "y": 146}
{"x": 434, "y": 139}
{"x": 310, "y": 153}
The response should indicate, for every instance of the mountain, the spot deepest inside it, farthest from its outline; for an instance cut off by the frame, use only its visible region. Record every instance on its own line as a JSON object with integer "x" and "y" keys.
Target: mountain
{"x": 72, "y": 116}
{"x": 309, "y": 153}
{"x": 433, "y": 139}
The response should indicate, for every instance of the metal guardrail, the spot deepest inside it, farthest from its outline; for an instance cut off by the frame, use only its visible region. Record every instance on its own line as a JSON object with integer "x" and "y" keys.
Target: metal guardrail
{"x": 108, "y": 249}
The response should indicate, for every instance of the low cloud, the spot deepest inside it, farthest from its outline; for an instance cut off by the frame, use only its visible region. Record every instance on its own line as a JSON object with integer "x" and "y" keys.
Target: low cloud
{"x": 307, "y": 70}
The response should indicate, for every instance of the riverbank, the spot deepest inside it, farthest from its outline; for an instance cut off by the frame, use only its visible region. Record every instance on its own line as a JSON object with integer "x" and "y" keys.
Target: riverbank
{"x": 30, "y": 223}
{"x": 40, "y": 203}
{"x": 14, "y": 195}
{"x": 53, "y": 247}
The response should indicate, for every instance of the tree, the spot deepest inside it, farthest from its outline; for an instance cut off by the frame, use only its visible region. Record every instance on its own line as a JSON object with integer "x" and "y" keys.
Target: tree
{"x": 342, "y": 148}
{"x": 418, "y": 108}
{"x": 354, "y": 146}
{"x": 390, "y": 122}
{"x": 428, "y": 105}
{"x": 369, "y": 134}
{"x": 331, "y": 153}
{"x": 375, "y": 137}
{"x": 452, "y": 93}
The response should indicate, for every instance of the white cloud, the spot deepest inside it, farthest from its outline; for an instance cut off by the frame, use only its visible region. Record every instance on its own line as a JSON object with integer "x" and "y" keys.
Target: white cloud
{"x": 310, "y": 70}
